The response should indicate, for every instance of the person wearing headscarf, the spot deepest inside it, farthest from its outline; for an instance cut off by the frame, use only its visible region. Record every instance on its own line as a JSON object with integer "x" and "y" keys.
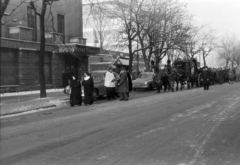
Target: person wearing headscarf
{"x": 109, "y": 83}
{"x": 88, "y": 86}
{"x": 123, "y": 85}
{"x": 76, "y": 92}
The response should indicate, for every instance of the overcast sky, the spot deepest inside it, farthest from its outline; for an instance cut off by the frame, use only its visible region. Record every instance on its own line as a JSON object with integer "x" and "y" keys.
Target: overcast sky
{"x": 221, "y": 15}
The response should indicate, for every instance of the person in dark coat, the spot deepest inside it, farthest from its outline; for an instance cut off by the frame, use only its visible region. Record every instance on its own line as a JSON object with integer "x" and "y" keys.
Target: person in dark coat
{"x": 129, "y": 83}
{"x": 76, "y": 92}
{"x": 88, "y": 86}
{"x": 123, "y": 88}
{"x": 205, "y": 78}
{"x": 157, "y": 78}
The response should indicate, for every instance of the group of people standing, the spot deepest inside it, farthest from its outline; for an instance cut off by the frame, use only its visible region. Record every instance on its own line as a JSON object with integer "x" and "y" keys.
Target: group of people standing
{"x": 70, "y": 80}
{"x": 118, "y": 84}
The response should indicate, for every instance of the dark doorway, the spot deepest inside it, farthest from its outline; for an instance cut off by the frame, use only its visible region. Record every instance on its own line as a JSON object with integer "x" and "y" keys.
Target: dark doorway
{"x": 71, "y": 64}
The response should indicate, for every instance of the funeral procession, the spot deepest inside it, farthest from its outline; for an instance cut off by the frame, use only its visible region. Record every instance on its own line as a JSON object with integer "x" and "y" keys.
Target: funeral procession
{"x": 120, "y": 82}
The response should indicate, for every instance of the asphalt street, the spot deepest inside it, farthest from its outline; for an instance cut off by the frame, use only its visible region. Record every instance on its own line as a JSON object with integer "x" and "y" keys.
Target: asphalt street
{"x": 189, "y": 127}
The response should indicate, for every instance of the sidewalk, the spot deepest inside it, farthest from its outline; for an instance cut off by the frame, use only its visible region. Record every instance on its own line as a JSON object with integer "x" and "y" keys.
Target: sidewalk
{"x": 15, "y": 103}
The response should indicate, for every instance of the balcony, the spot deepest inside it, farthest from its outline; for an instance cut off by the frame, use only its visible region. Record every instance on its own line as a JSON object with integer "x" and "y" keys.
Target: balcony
{"x": 78, "y": 40}
{"x": 54, "y": 38}
{"x": 21, "y": 33}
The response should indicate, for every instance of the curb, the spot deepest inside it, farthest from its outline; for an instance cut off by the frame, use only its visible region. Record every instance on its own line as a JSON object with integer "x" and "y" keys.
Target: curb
{"x": 29, "y": 110}
{"x": 33, "y": 107}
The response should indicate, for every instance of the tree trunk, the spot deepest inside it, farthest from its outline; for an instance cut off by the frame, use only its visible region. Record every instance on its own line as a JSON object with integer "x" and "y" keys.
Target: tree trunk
{"x": 43, "y": 93}
{"x": 157, "y": 61}
{"x": 204, "y": 62}
{"x": 3, "y": 5}
{"x": 204, "y": 59}
{"x": 130, "y": 54}
{"x": 227, "y": 61}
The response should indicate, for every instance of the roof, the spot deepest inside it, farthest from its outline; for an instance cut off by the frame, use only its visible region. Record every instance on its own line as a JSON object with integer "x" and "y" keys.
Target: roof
{"x": 121, "y": 61}
{"x": 99, "y": 71}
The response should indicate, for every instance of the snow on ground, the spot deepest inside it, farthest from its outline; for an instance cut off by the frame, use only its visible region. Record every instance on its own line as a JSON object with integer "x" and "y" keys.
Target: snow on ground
{"x": 28, "y": 92}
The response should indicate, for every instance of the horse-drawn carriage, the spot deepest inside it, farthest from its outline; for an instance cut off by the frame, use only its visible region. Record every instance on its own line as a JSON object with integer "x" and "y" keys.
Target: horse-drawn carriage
{"x": 181, "y": 72}
{"x": 186, "y": 72}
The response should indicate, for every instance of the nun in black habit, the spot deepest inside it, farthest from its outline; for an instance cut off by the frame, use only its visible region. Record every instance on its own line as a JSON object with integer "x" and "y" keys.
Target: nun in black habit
{"x": 88, "y": 86}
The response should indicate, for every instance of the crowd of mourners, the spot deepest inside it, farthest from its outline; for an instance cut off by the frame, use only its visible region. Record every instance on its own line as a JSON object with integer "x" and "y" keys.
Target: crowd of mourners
{"x": 118, "y": 85}
{"x": 188, "y": 72}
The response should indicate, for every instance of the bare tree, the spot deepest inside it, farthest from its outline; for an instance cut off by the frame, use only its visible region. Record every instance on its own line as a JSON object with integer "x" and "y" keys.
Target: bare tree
{"x": 190, "y": 45}
{"x": 123, "y": 13}
{"x": 236, "y": 55}
{"x": 159, "y": 26}
{"x": 208, "y": 44}
{"x": 41, "y": 16}
{"x": 170, "y": 28}
{"x": 225, "y": 51}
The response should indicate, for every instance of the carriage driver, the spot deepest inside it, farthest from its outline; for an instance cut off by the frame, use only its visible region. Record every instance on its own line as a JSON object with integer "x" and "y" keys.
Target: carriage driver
{"x": 169, "y": 67}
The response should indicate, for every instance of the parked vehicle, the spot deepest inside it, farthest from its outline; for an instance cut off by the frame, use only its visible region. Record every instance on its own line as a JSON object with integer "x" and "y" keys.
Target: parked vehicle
{"x": 98, "y": 79}
{"x": 144, "y": 81}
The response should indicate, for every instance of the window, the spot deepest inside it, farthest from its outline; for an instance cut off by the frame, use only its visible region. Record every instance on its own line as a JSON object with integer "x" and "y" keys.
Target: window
{"x": 61, "y": 25}
{"x": 31, "y": 22}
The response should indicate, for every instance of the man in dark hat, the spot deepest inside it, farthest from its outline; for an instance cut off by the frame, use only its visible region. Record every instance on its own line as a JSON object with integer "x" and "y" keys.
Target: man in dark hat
{"x": 123, "y": 88}
{"x": 205, "y": 78}
{"x": 169, "y": 67}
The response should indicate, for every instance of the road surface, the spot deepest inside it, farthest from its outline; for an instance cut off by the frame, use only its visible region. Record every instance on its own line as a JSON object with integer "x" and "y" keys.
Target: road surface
{"x": 189, "y": 127}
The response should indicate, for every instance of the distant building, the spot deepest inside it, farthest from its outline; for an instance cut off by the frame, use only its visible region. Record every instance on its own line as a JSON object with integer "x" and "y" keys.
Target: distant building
{"x": 99, "y": 30}
{"x": 65, "y": 47}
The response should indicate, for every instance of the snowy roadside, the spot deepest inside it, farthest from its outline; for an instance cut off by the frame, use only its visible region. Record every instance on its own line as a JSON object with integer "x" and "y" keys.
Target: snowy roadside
{"x": 26, "y": 102}
{"x": 31, "y": 106}
{"x": 28, "y": 92}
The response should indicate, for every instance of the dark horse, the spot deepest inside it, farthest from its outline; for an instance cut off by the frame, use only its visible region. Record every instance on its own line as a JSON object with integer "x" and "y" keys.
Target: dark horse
{"x": 181, "y": 77}
{"x": 161, "y": 79}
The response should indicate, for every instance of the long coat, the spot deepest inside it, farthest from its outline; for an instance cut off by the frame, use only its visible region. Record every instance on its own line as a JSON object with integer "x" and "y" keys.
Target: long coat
{"x": 88, "y": 86}
{"x": 129, "y": 82}
{"x": 205, "y": 77}
{"x": 123, "y": 83}
{"x": 76, "y": 93}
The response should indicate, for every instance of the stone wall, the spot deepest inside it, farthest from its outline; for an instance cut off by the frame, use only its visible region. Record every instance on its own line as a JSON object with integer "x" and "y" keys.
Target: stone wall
{"x": 26, "y": 64}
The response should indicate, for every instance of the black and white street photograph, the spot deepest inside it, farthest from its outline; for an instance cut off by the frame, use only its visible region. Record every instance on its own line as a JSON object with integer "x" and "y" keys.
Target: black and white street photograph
{"x": 120, "y": 82}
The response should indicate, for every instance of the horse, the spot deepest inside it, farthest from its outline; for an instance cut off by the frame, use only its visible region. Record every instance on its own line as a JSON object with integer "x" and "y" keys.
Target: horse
{"x": 237, "y": 73}
{"x": 181, "y": 77}
{"x": 220, "y": 76}
{"x": 160, "y": 79}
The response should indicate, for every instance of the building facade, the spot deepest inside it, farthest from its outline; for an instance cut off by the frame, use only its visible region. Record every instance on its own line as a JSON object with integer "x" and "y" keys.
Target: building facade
{"x": 65, "y": 47}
